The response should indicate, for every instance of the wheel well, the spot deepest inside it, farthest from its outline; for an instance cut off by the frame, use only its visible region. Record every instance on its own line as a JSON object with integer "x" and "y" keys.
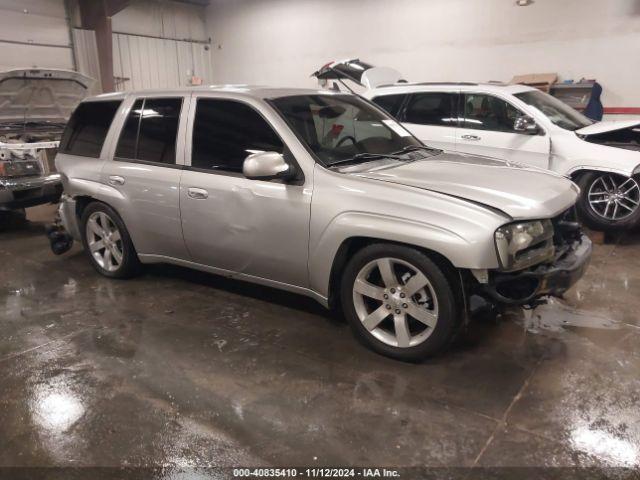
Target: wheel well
{"x": 81, "y": 204}
{"x": 352, "y": 245}
{"x": 578, "y": 174}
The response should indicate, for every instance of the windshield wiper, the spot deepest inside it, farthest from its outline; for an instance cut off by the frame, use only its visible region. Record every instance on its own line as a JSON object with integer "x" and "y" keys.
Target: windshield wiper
{"x": 365, "y": 157}
{"x": 414, "y": 148}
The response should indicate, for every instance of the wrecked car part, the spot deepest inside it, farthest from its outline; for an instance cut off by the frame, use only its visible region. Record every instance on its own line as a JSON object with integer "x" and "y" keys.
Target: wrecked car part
{"x": 35, "y": 107}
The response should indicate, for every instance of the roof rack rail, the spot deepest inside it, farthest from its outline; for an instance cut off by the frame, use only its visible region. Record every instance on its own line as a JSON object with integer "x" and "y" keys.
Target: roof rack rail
{"x": 400, "y": 84}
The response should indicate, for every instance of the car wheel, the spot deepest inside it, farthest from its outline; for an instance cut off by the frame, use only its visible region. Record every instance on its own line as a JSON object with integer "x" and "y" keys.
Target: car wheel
{"x": 399, "y": 302}
{"x": 107, "y": 242}
{"x": 609, "y": 201}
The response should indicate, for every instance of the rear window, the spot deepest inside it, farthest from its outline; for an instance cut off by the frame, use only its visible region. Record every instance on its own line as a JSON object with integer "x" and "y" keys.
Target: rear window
{"x": 87, "y": 128}
{"x": 390, "y": 103}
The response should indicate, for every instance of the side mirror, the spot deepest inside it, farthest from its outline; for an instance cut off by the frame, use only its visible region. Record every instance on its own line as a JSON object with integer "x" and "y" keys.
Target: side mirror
{"x": 526, "y": 125}
{"x": 266, "y": 166}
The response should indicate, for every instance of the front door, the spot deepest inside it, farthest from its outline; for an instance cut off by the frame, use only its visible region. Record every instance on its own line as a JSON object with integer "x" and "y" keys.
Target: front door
{"x": 431, "y": 116}
{"x": 487, "y": 129}
{"x": 255, "y": 227}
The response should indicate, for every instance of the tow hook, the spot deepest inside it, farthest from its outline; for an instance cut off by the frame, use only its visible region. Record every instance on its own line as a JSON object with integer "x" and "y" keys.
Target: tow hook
{"x": 61, "y": 242}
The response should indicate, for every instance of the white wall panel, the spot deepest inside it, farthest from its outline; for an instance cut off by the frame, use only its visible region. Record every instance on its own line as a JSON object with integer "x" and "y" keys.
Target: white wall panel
{"x": 158, "y": 63}
{"x": 87, "y": 55}
{"x": 31, "y": 56}
{"x": 162, "y": 19}
{"x": 283, "y": 42}
{"x": 41, "y": 27}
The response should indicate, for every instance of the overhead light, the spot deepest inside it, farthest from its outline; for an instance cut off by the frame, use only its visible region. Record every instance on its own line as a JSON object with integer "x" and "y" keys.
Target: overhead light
{"x": 524, "y": 3}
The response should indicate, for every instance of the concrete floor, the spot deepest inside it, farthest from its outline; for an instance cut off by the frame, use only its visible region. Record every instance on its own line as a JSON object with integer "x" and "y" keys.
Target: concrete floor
{"x": 178, "y": 368}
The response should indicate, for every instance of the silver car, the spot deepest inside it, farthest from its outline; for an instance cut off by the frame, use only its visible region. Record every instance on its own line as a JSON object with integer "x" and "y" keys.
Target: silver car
{"x": 319, "y": 193}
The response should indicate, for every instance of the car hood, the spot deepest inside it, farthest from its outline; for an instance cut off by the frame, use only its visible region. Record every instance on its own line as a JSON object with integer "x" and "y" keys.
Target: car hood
{"x": 520, "y": 192}
{"x": 604, "y": 127}
{"x": 40, "y": 95}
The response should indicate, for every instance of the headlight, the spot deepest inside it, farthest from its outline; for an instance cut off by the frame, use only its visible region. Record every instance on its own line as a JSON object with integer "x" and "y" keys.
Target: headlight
{"x": 523, "y": 244}
{"x": 12, "y": 166}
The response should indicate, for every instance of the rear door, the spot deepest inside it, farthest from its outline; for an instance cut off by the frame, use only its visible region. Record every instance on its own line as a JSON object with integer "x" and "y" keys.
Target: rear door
{"x": 431, "y": 116}
{"x": 145, "y": 170}
{"x": 487, "y": 129}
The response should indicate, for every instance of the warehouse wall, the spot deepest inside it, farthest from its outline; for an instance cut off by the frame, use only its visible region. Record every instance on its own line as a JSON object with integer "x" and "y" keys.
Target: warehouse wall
{"x": 170, "y": 60}
{"x": 162, "y": 19}
{"x": 156, "y": 44}
{"x": 283, "y": 42}
{"x": 34, "y": 33}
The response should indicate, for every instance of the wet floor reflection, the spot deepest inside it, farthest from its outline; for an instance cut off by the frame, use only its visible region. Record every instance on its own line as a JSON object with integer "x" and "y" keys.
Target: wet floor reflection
{"x": 180, "y": 369}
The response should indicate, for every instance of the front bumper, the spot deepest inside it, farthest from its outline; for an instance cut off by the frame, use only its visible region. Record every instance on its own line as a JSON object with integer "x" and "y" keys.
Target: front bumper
{"x": 29, "y": 191}
{"x": 521, "y": 288}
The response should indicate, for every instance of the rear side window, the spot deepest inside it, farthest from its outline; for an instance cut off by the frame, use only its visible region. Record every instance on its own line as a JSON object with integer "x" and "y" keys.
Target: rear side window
{"x": 87, "y": 128}
{"x": 151, "y": 131}
{"x": 390, "y": 103}
{"x": 226, "y": 132}
{"x": 432, "y": 109}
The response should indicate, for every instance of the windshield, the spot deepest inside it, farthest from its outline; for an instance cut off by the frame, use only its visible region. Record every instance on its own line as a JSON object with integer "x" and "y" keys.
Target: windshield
{"x": 558, "y": 112}
{"x": 339, "y": 128}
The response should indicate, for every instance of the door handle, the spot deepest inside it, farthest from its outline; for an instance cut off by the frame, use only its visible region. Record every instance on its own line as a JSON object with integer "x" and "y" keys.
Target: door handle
{"x": 475, "y": 138}
{"x": 197, "y": 193}
{"x": 116, "y": 180}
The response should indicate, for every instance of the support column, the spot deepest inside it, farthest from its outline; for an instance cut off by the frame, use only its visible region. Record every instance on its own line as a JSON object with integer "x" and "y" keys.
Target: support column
{"x": 96, "y": 15}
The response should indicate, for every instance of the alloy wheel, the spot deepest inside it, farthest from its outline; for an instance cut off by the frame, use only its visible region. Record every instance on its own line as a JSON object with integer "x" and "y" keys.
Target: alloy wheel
{"x": 614, "y": 197}
{"x": 395, "y": 302}
{"x": 104, "y": 241}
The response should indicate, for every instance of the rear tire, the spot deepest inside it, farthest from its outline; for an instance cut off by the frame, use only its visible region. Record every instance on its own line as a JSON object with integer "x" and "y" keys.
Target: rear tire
{"x": 399, "y": 302}
{"x": 107, "y": 242}
{"x": 609, "y": 201}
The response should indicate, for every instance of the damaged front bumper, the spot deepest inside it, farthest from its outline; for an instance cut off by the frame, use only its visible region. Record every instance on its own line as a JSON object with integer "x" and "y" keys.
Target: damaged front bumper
{"x": 522, "y": 288}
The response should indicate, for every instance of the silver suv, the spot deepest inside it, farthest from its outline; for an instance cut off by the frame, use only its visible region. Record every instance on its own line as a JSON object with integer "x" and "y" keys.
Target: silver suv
{"x": 319, "y": 193}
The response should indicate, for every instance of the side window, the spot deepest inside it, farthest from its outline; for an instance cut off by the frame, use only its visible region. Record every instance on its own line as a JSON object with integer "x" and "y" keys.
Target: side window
{"x": 87, "y": 128}
{"x": 129, "y": 136}
{"x": 432, "y": 109}
{"x": 390, "y": 103}
{"x": 486, "y": 112}
{"x": 225, "y": 132}
{"x": 151, "y": 130}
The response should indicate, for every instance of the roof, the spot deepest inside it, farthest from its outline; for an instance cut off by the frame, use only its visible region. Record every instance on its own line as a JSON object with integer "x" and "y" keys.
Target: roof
{"x": 254, "y": 91}
{"x": 450, "y": 86}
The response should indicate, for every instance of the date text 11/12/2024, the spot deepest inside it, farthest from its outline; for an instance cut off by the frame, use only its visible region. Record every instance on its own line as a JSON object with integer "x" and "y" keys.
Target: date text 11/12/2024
{"x": 315, "y": 473}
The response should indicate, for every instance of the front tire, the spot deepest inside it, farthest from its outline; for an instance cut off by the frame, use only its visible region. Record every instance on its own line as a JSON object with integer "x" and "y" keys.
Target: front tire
{"x": 107, "y": 242}
{"x": 609, "y": 201}
{"x": 399, "y": 302}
